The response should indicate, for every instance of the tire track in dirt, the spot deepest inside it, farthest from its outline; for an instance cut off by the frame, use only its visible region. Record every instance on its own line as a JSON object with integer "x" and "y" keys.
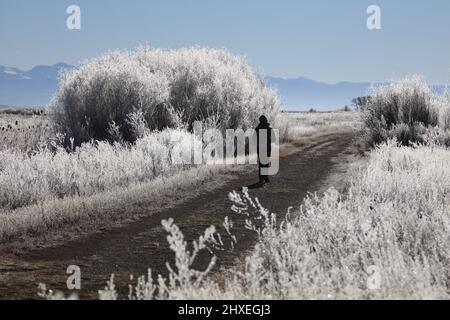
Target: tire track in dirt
{"x": 132, "y": 248}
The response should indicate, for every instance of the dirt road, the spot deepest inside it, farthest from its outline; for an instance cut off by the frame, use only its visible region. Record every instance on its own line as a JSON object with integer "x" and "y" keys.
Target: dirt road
{"x": 134, "y": 247}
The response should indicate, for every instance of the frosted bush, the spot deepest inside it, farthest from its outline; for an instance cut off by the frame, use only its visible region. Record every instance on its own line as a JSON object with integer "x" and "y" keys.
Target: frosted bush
{"x": 169, "y": 87}
{"x": 400, "y": 110}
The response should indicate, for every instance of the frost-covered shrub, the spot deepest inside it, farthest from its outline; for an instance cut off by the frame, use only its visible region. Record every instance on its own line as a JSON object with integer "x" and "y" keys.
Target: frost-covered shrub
{"x": 399, "y": 110}
{"x": 169, "y": 87}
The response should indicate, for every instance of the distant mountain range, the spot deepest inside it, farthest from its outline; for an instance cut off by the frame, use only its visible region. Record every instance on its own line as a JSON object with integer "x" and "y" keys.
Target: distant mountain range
{"x": 35, "y": 87}
{"x": 32, "y": 88}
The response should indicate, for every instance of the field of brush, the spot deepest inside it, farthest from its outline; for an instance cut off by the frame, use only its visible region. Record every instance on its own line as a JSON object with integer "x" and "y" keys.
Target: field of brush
{"x": 385, "y": 236}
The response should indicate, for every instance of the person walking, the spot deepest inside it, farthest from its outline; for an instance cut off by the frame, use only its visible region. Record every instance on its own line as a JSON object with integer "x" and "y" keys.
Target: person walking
{"x": 264, "y": 133}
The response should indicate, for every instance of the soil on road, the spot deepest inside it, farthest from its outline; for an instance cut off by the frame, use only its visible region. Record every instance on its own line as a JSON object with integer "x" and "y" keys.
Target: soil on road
{"x": 134, "y": 247}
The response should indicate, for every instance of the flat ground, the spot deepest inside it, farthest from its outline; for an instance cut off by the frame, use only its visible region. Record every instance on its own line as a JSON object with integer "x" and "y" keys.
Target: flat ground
{"x": 133, "y": 247}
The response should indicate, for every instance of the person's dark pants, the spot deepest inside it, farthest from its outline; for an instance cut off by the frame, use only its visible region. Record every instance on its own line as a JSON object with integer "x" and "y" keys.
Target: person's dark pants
{"x": 263, "y": 177}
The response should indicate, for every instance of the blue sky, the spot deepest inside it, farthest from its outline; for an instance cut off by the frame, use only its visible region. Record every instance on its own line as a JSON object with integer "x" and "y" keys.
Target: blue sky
{"x": 322, "y": 40}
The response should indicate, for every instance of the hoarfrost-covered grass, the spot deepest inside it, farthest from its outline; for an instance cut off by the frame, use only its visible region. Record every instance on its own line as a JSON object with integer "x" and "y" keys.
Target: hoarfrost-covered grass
{"x": 387, "y": 237}
{"x": 89, "y": 169}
